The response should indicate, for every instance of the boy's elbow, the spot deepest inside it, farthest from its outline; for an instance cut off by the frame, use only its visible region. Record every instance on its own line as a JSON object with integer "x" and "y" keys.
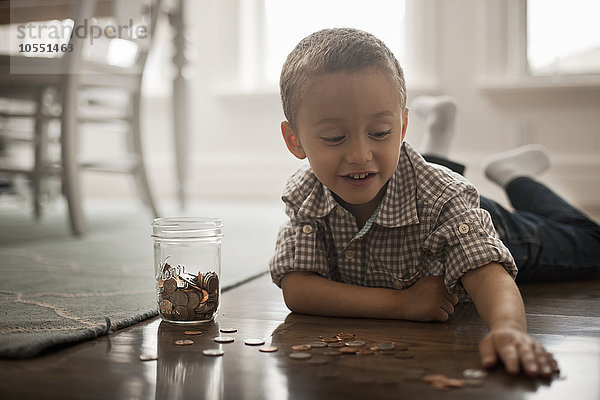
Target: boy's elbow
{"x": 292, "y": 295}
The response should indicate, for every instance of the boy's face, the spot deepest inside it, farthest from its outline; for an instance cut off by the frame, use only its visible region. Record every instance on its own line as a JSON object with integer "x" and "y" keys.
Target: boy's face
{"x": 350, "y": 127}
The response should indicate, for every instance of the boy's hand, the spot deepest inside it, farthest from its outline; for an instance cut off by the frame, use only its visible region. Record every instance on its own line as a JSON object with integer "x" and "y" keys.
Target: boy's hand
{"x": 517, "y": 350}
{"x": 429, "y": 300}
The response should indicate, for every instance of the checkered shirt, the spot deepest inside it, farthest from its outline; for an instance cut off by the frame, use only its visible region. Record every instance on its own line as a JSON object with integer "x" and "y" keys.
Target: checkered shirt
{"x": 428, "y": 224}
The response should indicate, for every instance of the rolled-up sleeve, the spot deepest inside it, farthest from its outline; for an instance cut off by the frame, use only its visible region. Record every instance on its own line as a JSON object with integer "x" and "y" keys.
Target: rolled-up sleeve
{"x": 299, "y": 248}
{"x": 465, "y": 239}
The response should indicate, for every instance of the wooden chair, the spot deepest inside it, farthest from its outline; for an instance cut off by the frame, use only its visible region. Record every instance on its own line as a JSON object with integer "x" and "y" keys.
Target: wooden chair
{"x": 78, "y": 80}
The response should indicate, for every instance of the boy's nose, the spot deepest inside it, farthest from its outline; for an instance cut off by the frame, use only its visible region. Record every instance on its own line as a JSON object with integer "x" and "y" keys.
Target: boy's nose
{"x": 358, "y": 152}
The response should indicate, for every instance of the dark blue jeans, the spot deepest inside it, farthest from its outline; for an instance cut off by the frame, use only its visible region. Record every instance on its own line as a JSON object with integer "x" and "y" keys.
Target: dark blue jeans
{"x": 549, "y": 239}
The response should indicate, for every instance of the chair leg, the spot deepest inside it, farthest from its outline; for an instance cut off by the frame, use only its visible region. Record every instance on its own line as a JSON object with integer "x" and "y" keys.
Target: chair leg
{"x": 140, "y": 175}
{"x": 70, "y": 177}
{"x": 40, "y": 151}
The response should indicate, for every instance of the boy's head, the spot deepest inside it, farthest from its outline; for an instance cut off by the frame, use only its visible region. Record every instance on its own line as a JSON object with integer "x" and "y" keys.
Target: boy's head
{"x": 329, "y": 51}
{"x": 344, "y": 97}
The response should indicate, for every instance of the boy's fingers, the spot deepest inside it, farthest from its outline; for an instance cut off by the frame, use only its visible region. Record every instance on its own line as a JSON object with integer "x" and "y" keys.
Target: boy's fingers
{"x": 510, "y": 358}
{"x": 529, "y": 360}
{"x": 545, "y": 361}
{"x": 487, "y": 352}
{"x": 447, "y": 307}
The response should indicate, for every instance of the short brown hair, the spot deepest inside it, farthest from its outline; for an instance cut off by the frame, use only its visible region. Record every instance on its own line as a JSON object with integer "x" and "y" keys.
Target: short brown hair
{"x": 330, "y": 51}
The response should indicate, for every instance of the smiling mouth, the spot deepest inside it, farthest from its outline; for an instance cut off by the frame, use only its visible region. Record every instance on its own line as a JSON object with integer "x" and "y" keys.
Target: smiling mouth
{"x": 358, "y": 177}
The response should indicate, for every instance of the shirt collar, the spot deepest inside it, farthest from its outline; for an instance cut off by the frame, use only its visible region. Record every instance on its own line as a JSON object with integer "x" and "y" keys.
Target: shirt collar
{"x": 318, "y": 203}
{"x": 399, "y": 205}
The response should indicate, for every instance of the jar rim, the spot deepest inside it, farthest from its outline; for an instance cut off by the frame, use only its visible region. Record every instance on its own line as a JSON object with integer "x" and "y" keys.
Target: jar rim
{"x": 186, "y": 227}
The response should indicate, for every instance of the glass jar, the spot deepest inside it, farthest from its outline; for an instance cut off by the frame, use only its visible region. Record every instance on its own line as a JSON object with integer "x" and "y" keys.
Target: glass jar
{"x": 187, "y": 268}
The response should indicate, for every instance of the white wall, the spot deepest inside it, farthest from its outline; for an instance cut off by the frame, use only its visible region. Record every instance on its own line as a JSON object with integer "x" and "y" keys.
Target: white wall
{"x": 237, "y": 150}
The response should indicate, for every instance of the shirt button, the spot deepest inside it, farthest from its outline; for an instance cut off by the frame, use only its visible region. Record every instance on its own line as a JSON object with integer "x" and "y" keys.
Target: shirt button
{"x": 340, "y": 212}
{"x": 349, "y": 254}
{"x": 307, "y": 229}
{"x": 463, "y": 228}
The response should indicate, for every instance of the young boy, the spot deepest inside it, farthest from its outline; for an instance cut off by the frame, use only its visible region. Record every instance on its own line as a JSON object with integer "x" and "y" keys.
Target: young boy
{"x": 376, "y": 231}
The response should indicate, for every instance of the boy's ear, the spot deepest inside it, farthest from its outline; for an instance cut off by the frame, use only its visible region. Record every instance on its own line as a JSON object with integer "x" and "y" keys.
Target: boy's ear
{"x": 404, "y": 124}
{"x": 292, "y": 141}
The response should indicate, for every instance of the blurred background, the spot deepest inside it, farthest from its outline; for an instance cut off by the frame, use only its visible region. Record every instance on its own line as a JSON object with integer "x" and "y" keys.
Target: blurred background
{"x": 522, "y": 71}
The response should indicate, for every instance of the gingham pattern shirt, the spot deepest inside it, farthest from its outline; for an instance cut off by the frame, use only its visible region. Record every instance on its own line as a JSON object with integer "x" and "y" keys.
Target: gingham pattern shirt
{"x": 428, "y": 224}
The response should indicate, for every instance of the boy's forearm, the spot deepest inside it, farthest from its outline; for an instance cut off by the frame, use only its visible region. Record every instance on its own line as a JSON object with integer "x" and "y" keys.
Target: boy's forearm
{"x": 496, "y": 297}
{"x": 309, "y": 293}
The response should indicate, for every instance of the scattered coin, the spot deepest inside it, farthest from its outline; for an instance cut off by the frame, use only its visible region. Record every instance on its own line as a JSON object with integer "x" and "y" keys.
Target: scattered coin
{"x": 254, "y": 342}
{"x": 184, "y": 342}
{"x": 317, "y": 345}
{"x": 300, "y": 356}
{"x": 148, "y": 357}
{"x": 439, "y": 381}
{"x": 345, "y": 336}
{"x": 475, "y": 373}
{"x": 364, "y": 351}
{"x": 318, "y": 361}
{"x": 331, "y": 353}
{"x": 301, "y": 347}
{"x": 336, "y": 344}
{"x": 228, "y": 330}
{"x": 355, "y": 343}
{"x": 224, "y": 339}
{"x": 332, "y": 339}
{"x": 382, "y": 346}
{"x": 268, "y": 349}
{"x": 347, "y": 350}
{"x": 192, "y": 333}
{"x": 213, "y": 352}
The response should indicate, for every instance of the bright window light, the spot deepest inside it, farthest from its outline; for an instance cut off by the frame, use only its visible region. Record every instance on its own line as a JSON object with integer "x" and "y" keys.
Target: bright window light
{"x": 563, "y": 37}
{"x": 288, "y": 21}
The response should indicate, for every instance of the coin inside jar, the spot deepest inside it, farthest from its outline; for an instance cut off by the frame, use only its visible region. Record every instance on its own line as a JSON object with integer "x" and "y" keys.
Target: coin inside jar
{"x": 193, "y": 299}
{"x": 181, "y": 313}
{"x": 179, "y": 298}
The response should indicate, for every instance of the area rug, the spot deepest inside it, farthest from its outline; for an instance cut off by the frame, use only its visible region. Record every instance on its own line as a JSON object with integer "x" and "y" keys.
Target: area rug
{"x": 58, "y": 290}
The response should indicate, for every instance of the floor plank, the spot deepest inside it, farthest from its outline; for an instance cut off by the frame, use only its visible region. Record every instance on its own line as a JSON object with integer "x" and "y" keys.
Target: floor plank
{"x": 564, "y": 317}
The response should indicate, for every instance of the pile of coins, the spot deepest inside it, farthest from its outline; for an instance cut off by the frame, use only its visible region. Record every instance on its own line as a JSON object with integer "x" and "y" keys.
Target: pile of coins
{"x": 187, "y": 297}
{"x": 346, "y": 343}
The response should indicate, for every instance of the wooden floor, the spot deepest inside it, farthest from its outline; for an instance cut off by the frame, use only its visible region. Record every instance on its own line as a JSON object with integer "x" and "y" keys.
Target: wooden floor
{"x": 564, "y": 317}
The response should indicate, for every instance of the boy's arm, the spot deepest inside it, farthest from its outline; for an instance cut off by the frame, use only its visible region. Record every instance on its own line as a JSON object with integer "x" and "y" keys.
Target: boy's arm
{"x": 309, "y": 293}
{"x": 499, "y": 304}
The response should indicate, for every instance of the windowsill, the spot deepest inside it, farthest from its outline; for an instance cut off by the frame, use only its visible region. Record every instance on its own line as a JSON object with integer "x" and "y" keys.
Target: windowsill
{"x": 541, "y": 85}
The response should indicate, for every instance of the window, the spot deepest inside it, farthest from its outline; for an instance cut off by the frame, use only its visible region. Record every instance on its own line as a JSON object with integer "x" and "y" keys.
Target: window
{"x": 563, "y": 37}
{"x": 288, "y": 21}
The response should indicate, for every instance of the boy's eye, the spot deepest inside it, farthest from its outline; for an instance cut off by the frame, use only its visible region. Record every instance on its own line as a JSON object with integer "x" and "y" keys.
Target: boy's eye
{"x": 332, "y": 139}
{"x": 380, "y": 135}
